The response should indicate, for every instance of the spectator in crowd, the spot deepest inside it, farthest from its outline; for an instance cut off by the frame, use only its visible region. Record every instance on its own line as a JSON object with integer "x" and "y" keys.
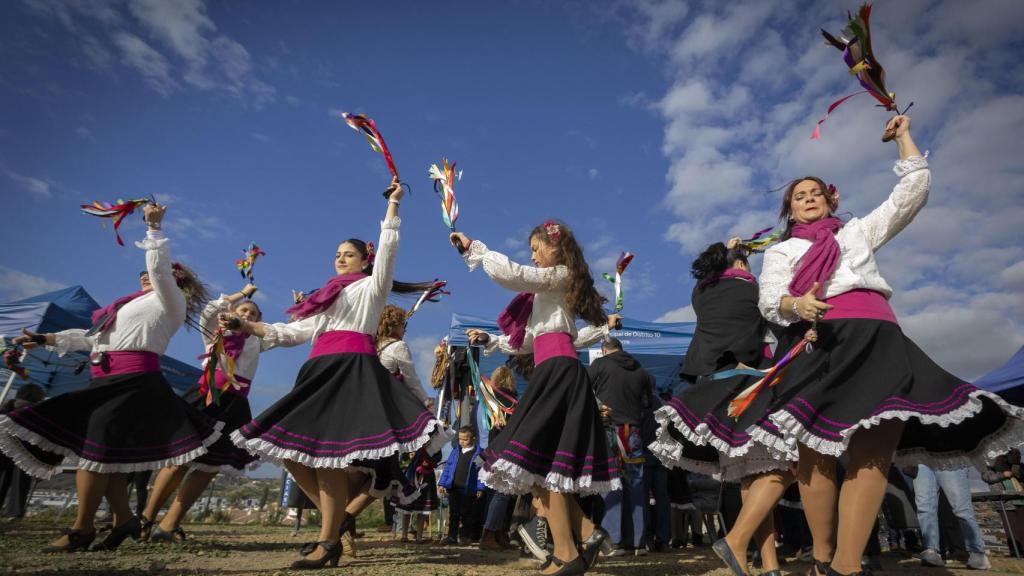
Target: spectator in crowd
{"x": 1006, "y": 475}
{"x": 461, "y": 484}
{"x": 956, "y": 486}
{"x": 495, "y": 533}
{"x": 14, "y": 483}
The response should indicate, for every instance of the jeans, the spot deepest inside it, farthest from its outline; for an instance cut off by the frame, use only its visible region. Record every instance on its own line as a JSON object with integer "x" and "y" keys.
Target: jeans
{"x": 956, "y": 487}
{"x": 659, "y": 513}
{"x": 624, "y": 509}
{"x": 496, "y": 512}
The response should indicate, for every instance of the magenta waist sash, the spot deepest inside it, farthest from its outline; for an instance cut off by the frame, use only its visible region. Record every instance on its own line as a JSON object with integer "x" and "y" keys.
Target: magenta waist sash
{"x": 860, "y": 303}
{"x": 342, "y": 342}
{"x": 221, "y": 380}
{"x": 117, "y": 363}
{"x": 551, "y": 345}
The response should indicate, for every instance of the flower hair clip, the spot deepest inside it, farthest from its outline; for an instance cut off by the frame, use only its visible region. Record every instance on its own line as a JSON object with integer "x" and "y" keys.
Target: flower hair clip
{"x": 179, "y": 273}
{"x": 833, "y": 197}
{"x": 371, "y": 253}
{"x": 553, "y": 231}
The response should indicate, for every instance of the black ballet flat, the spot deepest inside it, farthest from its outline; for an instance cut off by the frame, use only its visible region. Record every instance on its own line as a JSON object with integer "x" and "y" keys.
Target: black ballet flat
{"x": 76, "y": 541}
{"x": 831, "y": 572}
{"x": 158, "y": 535}
{"x": 591, "y": 547}
{"x": 147, "y": 529}
{"x": 724, "y": 553}
{"x": 333, "y": 550}
{"x": 772, "y": 573}
{"x": 818, "y": 568}
{"x": 131, "y": 528}
{"x": 572, "y": 568}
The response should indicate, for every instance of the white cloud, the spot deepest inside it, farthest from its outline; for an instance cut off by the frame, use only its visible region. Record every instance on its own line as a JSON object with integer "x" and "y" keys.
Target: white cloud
{"x": 684, "y": 314}
{"x": 141, "y": 57}
{"x": 422, "y": 348}
{"x": 37, "y": 187}
{"x": 15, "y": 284}
{"x": 260, "y": 137}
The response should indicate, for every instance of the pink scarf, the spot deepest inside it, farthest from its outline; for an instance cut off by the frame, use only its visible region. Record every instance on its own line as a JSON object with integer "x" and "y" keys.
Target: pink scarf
{"x": 821, "y": 259}
{"x": 321, "y": 299}
{"x": 739, "y": 273}
{"x": 103, "y": 318}
{"x": 514, "y": 318}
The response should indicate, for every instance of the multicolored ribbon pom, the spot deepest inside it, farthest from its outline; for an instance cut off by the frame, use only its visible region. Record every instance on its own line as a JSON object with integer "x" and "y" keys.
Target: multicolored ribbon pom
{"x": 761, "y": 240}
{"x": 365, "y": 126}
{"x": 744, "y": 399}
{"x": 217, "y": 357}
{"x": 116, "y": 211}
{"x": 12, "y": 361}
{"x": 245, "y": 265}
{"x": 620, "y": 266}
{"x": 444, "y": 178}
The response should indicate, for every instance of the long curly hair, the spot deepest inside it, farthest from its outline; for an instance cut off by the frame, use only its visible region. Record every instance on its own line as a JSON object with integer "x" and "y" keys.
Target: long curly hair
{"x": 582, "y": 299}
{"x": 503, "y": 379}
{"x": 441, "y": 361}
{"x": 391, "y": 319}
{"x": 196, "y": 293}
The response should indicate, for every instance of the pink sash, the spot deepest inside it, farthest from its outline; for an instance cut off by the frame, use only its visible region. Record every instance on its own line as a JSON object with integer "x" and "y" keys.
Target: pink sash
{"x": 342, "y": 342}
{"x": 117, "y": 363}
{"x": 860, "y": 303}
{"x": 551, "y": 345}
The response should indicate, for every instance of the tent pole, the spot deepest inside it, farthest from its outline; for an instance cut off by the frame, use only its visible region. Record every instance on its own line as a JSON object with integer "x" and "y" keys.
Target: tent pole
{"x": 7, "y": 388}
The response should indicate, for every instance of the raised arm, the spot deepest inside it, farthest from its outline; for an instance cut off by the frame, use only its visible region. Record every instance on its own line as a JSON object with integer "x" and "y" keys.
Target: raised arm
{"x": 387, "y": 246}
{"x": 511, "y": 275}
{"x": 158, "y": 262}
{"x": 907, "y": 197}
{"x": 72, "y": 340}
{"x": 280, "y": 334}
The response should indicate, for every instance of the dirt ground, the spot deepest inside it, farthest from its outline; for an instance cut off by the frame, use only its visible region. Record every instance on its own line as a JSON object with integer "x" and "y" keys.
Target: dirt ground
{"x": 258, "y": 550}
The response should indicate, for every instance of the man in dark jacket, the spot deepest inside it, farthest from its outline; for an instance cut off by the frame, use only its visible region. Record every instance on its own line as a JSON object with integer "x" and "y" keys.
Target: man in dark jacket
{"x": 625, "y": 392}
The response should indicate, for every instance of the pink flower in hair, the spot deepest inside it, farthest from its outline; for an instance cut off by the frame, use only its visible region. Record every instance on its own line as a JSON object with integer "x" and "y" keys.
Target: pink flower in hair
{"x": 180, "y": 276}
{"x": 371, "y": 253}
{"x": 553, "y": 231}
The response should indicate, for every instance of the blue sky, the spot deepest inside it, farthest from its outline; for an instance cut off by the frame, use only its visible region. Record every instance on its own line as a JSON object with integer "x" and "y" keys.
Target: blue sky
{"x": 647, "y": 126}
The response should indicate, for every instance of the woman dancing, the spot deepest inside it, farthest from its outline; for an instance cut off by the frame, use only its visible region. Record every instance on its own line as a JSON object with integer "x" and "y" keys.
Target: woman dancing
{"x": 554, "y": 444}
{"x": 129, "y": 418}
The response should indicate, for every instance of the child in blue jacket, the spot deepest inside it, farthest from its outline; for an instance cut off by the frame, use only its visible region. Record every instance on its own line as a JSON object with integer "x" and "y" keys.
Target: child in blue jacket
{"x": 461, "y": 483}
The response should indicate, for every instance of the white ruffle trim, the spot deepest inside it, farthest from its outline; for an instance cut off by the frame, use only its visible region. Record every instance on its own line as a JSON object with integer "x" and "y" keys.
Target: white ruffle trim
{"x": 509, "y": 478}
{"x": 911, "y": 164}
{"x": 274, "y": 453}
{"x": 1009, "y": 436}
{"x": 11, "y": 432}
{"x": 668, "y": 449}
{"x": 393, "y": 490}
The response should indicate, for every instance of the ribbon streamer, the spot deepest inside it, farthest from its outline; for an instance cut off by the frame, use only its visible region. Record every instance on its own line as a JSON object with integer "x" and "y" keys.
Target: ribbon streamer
{"x": 432, "y": 294}
{"x": 245, "y": 265}
{"x": 761, "y": 240}
{"x": 620, "y": 266}
{"x": 12, "y": 361}
{"x": 772, "y": 375}
{"x": 444, "y": 178}
{"x": 365, "y": 126}
{"x": 116, "y": 211}
{"x": 217, "y": 356}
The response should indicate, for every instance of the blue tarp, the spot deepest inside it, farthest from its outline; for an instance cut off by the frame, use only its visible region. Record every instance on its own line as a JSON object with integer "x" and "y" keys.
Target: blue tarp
{"x": 1007, "y": 380}
{"x": 61, "y": 310}
{"x": 658, "y": 346}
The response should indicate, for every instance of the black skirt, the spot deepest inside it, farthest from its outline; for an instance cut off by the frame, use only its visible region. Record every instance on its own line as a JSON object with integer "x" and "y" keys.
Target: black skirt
{"x": 123, "y": 423}
{"x": 863, "y": 372}
{"x": 387, "y": 479}
{"x": 343, "y": 408}
{"x": 427, "y": 501}
{"x": 554, "y": 439}
{"x": 223, "y": 456}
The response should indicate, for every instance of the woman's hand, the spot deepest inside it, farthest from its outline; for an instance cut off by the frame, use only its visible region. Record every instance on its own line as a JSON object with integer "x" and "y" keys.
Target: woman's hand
{"x": 153, "y": 215}
{"x": 808, "y": 307}
{"x": 733, "y": 243}
{"x": 29, "y": 339}
{"x": 898, "y": 126}
{"x": 460, "y": 240}
{"x": 478, "y": 336}
{"x": 249, "y": 290}
{"x": 230, "y": 321}
{"x": 614, "y": 321}
{"x": 395, "y": 192}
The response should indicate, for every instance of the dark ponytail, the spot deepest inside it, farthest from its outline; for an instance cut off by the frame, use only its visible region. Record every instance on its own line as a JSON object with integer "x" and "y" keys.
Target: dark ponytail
{"x": 397, "y": 286}
{"x": 715, "y": 260}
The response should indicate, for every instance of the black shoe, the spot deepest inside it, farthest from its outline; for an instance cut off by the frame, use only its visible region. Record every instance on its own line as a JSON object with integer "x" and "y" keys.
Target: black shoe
{"x": 76, "y": 541}
{"x": 576, "y": 566}
{"x": 131, "y": 528}
{"x": 590, "y": 547}
{"x": 449, "y": 541}
{"x": 831, "y": 572}
{"x": 333, "y": 553}
{"x": 349, "y": 525}
{"x": 772, "y": 573}
{"x": 818, "y": 568}
{"x": 158, "y": 534}
{"x": 724, "y": 553}
{"x": 534, "y": 536}
{"x": 147, "y": 529}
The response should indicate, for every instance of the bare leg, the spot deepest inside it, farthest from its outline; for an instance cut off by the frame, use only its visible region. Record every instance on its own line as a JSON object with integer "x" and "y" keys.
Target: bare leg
{"x": 91, "y": 486}
{"x": 559, "y": 519}
{"x": 760, "y": 495}
{"x": 333, "y": 483}
{"x": 117, "y": 497}
{"x": 582, "y": 527}
{"x": 191, "y": 490}
{"x": 405, "y": 525}
{"x": 870, "y": 453}
{"x": 358, "y": 493}
{"x": 167, "y": 481}
{"x": 765, "y": 538}
{"x": 305, "y": 477}
{"x": 816, "y": 474}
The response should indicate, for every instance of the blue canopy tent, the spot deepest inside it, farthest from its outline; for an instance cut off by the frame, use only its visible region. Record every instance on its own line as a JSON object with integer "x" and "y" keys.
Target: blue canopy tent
{"x": 61, "y": 310}
{"x": 1007, "y": 380}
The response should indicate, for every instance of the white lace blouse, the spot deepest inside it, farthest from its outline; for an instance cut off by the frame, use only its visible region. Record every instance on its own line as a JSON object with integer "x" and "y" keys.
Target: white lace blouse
{"x": 396, "y": 357}
{"x": 858, "y": 240}
{"x": 357, "y": 308}
{"x": 147, "y": 323}
{"x": 249, "y": 359}
{"x": 548, "y": 285}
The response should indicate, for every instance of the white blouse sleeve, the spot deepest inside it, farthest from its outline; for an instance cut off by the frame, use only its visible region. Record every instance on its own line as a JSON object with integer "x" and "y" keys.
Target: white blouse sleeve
{"x": 499, "y": 342}
{"x": 73, "y": 340}
{"x": 773, "y": 284}
{"x": 590, "y": 335}
{"x": 899, "y": 209}
{"x": 515, "y": 277}
{"x": 161, "y": 275}
{"x": 403, "y": 357}
{"x": 208, "y": 317}
{"x": 384, "y": 261}
{"x": 288, "y": 334}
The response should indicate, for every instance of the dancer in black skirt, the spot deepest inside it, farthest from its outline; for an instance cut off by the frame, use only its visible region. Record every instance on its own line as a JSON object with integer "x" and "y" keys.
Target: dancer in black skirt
{"x": 696, "y": 432}
{"x": 554, "y": 444}
{"x": 232, "y": 408}
{"x": 866, "y": 390}
{"x": 345, "y": 406}
{"x": 128, "y": 419}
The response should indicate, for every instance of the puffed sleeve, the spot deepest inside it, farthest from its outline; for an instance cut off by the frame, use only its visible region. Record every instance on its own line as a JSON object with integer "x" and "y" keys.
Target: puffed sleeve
{"x": 73, "y": 340}
{"x": 384, "y": 260}
{"x": 776, "y": 274}
{"x": 288, "y": 334}
{"x": 589, "y": 335}
{"x": 499, "y": 342}
{"x": 515, "y": 277}
{"x": 208, "y": 316}
{"x": 403, "y": 358}
{"x": 161, "y": 275}
{"x": 907, "y": 198}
